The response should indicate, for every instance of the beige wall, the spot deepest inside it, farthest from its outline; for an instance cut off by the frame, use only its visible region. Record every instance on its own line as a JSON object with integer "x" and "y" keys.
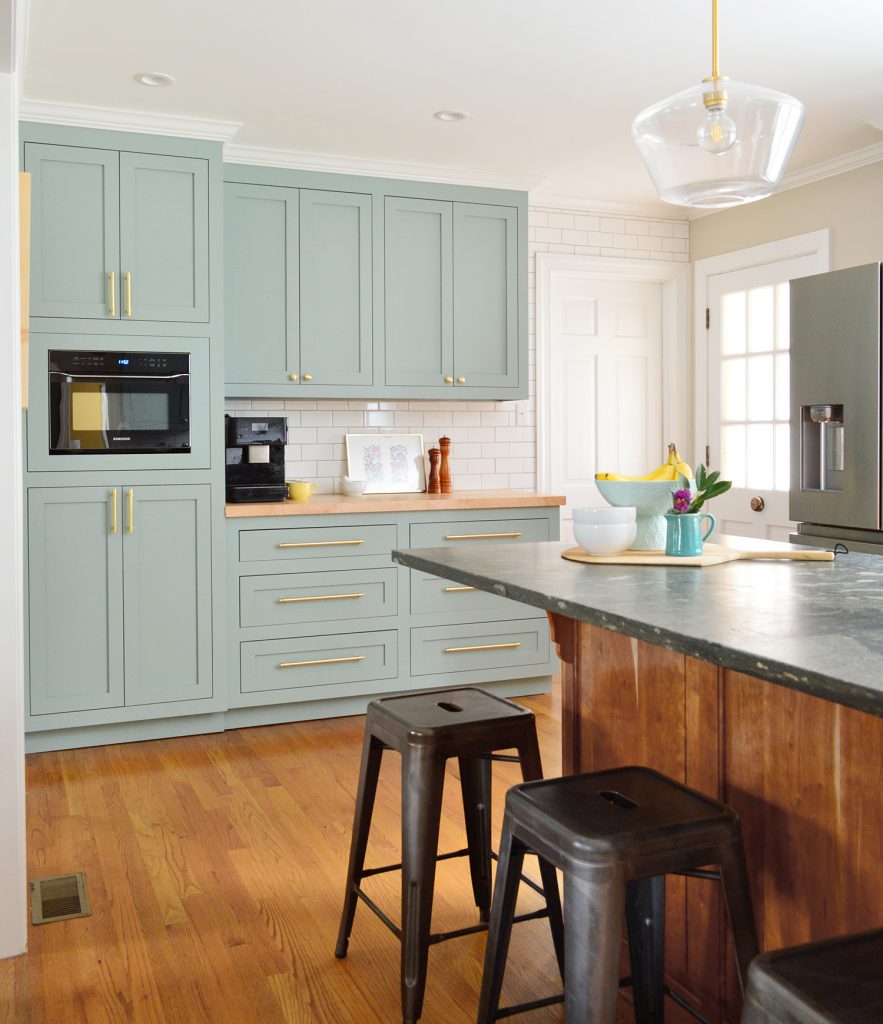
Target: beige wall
{"x": 850, "y": 204}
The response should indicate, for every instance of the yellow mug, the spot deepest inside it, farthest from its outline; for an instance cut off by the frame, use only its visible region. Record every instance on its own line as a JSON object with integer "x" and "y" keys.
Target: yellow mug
{"x": 300, "y": 490}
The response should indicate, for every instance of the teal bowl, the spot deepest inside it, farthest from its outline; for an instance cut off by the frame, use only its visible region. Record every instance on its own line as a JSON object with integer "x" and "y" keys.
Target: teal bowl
{"x": 651, "y": 499}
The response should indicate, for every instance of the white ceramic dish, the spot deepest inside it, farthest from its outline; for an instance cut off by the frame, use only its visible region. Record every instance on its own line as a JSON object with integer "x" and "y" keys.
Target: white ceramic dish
{"x": 605, "y": 515}
{"x": 605, "y": 538}
{"x": 651, "y": 498}
{"x": 352, "y": 487}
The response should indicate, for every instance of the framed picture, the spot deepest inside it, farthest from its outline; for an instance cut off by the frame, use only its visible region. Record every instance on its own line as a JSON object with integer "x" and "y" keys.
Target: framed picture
{"x": 386, "y": 462}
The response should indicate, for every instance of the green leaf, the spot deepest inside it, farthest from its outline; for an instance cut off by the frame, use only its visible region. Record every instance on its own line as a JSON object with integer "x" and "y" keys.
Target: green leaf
{"x": 700, "y": 476}
{"x": 710, "y": 479}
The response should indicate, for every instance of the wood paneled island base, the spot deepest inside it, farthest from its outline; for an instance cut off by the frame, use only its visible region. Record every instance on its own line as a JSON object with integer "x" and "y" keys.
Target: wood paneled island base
{"x": 805, "y": 775}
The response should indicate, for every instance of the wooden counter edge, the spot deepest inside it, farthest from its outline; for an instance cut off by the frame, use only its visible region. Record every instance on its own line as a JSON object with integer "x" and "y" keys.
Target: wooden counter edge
{"x": 340, "y": 504}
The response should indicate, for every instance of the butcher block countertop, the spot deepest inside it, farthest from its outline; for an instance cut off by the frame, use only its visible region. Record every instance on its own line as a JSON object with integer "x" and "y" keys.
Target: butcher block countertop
{"x": 331, "y": 504}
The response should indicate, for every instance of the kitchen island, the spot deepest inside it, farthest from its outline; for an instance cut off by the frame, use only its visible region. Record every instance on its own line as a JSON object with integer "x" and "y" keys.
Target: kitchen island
{"x": 759, "y": 683}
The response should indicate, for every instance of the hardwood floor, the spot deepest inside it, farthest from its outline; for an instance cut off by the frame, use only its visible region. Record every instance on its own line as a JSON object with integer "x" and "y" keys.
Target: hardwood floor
{"x": 215, "y": 867}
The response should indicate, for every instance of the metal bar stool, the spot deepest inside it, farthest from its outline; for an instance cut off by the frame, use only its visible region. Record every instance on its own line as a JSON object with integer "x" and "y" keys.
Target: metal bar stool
{"x": 615, "y": 835}
{"x": 839, "y": 981}
{"x": 427, "y": 728}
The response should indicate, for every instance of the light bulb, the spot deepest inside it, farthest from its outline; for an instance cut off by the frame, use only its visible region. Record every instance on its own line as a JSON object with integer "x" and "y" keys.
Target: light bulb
{"x": 717, "y": 133}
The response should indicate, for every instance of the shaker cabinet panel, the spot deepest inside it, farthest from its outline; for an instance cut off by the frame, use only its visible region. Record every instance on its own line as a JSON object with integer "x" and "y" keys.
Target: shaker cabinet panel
{"x": 418, "y": 291}
{"x": 75, "y": 599}
{"x": 335, "y": 288}
{"x": 74, "y": 231}
{"x": 260, "y": 283}
{"x": 164, "y": 238}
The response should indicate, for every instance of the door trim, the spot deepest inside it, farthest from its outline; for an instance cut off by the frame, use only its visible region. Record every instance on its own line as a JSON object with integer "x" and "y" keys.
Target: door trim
{"x": 813, "y": 243}
{"x": 675, "y": 281}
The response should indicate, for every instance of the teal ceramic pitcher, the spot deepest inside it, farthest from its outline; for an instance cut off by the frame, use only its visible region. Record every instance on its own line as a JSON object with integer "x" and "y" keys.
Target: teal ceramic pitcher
{"x": 683, "y": 532}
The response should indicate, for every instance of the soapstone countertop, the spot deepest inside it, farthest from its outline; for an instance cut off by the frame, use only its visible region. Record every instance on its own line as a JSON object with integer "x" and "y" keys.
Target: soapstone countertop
{"x": 342, "y": 504}
{"x": 811, "y": 626}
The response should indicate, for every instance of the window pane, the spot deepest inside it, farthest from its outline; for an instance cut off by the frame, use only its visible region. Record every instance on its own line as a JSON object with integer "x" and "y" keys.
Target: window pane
{"x": 759, "y": 468}
{"x": 733, "y": 455}
{"x": 734, "y": 389}
{"x": 760, "y": 319}
{"x": 783, "y": 457}
{"x": 733, "y": 323}
{"x": 760, "y": 388}
{"x": 783, "y": 387}
{"x": 783, "y": 315}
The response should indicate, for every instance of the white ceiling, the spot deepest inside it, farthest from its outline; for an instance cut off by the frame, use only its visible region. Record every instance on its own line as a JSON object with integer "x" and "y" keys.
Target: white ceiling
{"x": 551, "y": 87}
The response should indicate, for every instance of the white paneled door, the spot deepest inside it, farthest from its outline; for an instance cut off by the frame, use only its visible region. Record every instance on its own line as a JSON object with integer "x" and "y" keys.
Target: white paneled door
{"x": 604, "y": 396}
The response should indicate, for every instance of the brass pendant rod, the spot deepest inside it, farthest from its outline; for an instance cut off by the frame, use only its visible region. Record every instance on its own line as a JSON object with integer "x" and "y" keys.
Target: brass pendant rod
{"x": 715, "y": 69}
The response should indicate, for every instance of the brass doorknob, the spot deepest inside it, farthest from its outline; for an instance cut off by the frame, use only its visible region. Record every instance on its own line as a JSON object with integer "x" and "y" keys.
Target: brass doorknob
{"x": 293, "y": 376}
{"x": 449, "y": 380}
{"x": 308, "y": 376}
{"x": 757, "y": 504}
{"x": 461, "y": 380}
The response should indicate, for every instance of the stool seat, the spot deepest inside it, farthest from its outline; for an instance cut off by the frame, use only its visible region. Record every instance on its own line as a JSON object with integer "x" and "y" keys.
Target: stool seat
{"x": 838, "y": 981}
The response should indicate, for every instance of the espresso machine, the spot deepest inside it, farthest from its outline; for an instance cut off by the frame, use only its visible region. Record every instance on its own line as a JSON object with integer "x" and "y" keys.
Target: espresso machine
{"x": 255, "y": 458}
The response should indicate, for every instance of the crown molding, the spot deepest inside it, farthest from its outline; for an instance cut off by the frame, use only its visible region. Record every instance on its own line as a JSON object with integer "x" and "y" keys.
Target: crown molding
{"x": 331, "y": 163}
{"x": 643, "y": 210}
{"x": 127, "y": 120}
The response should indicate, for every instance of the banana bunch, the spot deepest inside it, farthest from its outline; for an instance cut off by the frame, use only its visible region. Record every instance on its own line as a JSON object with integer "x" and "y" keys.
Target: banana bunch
{"x": 671, "y": 470}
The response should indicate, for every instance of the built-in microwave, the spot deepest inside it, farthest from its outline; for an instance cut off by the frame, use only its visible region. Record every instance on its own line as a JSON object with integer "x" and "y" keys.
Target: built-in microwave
{"x": 105, "y": 402}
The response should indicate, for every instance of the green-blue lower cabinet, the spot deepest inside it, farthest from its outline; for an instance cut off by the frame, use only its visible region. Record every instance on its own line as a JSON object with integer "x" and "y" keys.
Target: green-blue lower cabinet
{"x": 75, "y": 599}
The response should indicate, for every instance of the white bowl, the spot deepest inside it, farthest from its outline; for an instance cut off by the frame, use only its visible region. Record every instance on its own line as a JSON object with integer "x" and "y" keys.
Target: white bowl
{"x": 604, "y": 538}
{"x": 604, "y": 516}
{"x": 352, "y": 487}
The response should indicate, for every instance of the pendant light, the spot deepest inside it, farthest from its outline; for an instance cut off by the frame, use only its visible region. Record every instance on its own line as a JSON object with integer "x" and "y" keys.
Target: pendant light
{"x": 718, "y": 143}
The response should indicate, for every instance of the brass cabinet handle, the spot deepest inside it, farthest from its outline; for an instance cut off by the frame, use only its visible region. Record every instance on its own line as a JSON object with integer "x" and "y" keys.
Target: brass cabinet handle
{"x": 461, "y": 380}
{"x": 112, "y": 301}
{"x": 318, "y": 543}
{"x": 292, "y": 376}
{"x": 449, "y": 380}
{"x": 320, "y": 661}
{"x": 127, "y": 277}
{"x": 130, "y": 526}
{"x": 321, "y": 597}
{"x": 480, "y": 647}
{"x": 308, "y": 376}
{"x": 480, "y": 536}
{"x": 457, "y": 590}
{"x": 114, "y": 525}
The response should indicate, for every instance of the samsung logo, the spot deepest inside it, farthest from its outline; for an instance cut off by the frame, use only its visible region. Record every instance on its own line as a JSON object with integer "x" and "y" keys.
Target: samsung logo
{"x": 121, "y": 439}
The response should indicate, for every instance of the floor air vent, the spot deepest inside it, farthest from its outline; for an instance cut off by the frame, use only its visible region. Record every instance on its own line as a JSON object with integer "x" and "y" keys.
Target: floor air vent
{"x": 59, "y": 898}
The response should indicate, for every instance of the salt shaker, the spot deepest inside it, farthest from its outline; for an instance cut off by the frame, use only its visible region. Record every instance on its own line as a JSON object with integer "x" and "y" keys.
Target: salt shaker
{"x": 433, "y": 486}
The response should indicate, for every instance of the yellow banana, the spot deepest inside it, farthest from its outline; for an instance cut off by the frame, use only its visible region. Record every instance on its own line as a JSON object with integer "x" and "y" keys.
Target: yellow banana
{"x": 666, "y": 473}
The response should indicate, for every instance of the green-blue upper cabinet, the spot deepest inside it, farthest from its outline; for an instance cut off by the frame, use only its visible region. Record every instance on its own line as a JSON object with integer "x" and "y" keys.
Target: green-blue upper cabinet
{"x": 335, "y": 289}
{"x": 74, "y": 231}
{"x": 260, "y": 284}
{"x": 485, "y": 296}
{"x": 167, "y": 574}
{"x": 75, "y": 598}
{"x": 164, "y": 238}
{"x": 418, "y": 292}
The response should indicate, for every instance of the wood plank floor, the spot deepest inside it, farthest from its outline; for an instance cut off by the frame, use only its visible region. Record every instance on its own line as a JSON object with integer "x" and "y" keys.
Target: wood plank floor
{"x": 215, "y": 867}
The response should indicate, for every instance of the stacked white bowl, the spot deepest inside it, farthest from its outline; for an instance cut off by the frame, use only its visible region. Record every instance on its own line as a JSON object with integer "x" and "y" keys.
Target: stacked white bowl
{"x": 604, "y": 531}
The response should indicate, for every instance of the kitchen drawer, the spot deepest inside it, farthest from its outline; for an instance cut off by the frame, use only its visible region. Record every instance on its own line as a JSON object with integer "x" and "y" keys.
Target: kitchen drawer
{"x": 292, "y": 599}
{"x": 480, "y": 646}
{"x": 434, "y": 594}
{"x": 478, "y": 533}
{"x": 310, "y": 544}
{"x": 311, "y": 667}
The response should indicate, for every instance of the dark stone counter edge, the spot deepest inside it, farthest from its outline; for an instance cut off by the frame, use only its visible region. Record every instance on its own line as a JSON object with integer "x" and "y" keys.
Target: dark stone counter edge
{"x": 816, "y": 685}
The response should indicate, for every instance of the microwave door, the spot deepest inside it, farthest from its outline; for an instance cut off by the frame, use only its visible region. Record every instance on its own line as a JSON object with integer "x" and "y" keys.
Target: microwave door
{"x": 82, "y": 415}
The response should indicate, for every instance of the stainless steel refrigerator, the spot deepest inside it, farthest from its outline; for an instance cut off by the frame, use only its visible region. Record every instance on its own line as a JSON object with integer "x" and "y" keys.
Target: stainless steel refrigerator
{"x": 836, "y": 421}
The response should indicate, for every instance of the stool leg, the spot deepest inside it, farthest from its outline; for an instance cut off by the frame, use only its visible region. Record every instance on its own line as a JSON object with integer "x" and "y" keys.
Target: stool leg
{"x": 593, "y": 918}
{"x": 740, "y": 909}
{"x": 475, "y": 781}
{"x": 645, "y": 920}
{"x": 509, "y": 865}
{"x": 372, "y": 752}
{"x": 423, "y": 776}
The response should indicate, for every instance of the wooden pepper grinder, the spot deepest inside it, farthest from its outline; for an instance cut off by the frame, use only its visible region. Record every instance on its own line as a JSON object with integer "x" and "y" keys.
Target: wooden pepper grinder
{"x": 433, "y": 486}
{"x": 444, "y": 473}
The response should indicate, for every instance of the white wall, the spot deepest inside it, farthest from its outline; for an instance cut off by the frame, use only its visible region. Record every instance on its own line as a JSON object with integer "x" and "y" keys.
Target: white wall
{"x": 12, "y": 832}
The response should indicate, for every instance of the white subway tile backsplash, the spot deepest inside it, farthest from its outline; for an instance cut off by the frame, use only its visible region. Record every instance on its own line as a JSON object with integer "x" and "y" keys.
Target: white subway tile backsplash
{"x": 315, "y": 419}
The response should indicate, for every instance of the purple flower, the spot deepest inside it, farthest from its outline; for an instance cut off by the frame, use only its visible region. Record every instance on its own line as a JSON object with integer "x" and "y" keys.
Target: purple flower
{"x": 682, "y": 500}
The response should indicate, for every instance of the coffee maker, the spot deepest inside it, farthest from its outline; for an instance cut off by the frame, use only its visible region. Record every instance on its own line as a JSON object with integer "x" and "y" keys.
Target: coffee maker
{"x": 256, "y": 458}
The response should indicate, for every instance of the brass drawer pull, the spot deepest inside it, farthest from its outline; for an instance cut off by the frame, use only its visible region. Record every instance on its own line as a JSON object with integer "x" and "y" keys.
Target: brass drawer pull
{"x": 130, "y": 526}
{"x": 457, "y": 590}
{"x": 480, "y": 536}
{"x": 320, "y": 661}
{"x": 480, "y": 647}
{"x": 318, "y": 543}
{"x": 114, "y": 525}
{"x": 112, "y": 303}
{"x": 322, "y": 597}
{"x": 127, "y": 277}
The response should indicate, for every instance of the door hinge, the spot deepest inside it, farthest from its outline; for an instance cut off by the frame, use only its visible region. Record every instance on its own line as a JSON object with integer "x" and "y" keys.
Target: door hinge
{"x": 707, "y": 318}
{"x": 708, "y": 456}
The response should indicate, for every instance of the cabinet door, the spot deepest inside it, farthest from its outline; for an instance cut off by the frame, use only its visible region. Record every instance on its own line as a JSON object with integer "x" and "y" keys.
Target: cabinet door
{"x": 167, "y": 593}
{"x": 485, "y": 296}
{"x": 164, "y": 237}
{"x": 74, "y": 231}
{"x": 335, "y": 288}
{"x": 260, "y": 283}
{"x": 419, "y": 302}
{"x": 75, "y": 599}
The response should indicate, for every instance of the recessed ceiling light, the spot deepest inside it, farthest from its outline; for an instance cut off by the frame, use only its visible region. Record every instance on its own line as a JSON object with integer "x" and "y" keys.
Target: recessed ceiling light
{"x": 155, "y": 79}
{"x": 450, "y": 115}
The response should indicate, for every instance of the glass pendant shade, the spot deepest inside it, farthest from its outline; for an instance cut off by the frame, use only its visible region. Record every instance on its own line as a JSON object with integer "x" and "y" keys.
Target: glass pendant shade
{"x": 718, "y": 143}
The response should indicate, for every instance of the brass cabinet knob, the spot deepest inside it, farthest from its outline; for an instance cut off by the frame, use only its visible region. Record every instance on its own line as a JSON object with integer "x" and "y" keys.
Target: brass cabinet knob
{"x": 461, "y": 380}
{"x": 292, "y": 376}
{"x": 449, "y": 380}
{"x": 757, "y": 504}
{"x": 308, "y": 376}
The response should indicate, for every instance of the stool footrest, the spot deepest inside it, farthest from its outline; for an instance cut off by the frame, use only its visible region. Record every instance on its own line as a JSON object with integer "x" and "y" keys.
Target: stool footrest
{"x": 398, "y": 867}
{"x": 534, "y": 1004}
{"x": 684, "y": 1005}
{"x": 483, "y": 926}
{"x": 371, "y": 905}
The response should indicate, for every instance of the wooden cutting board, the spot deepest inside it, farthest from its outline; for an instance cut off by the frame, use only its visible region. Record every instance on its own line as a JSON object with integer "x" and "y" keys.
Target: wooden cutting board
{"x": 712, "y": 554}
